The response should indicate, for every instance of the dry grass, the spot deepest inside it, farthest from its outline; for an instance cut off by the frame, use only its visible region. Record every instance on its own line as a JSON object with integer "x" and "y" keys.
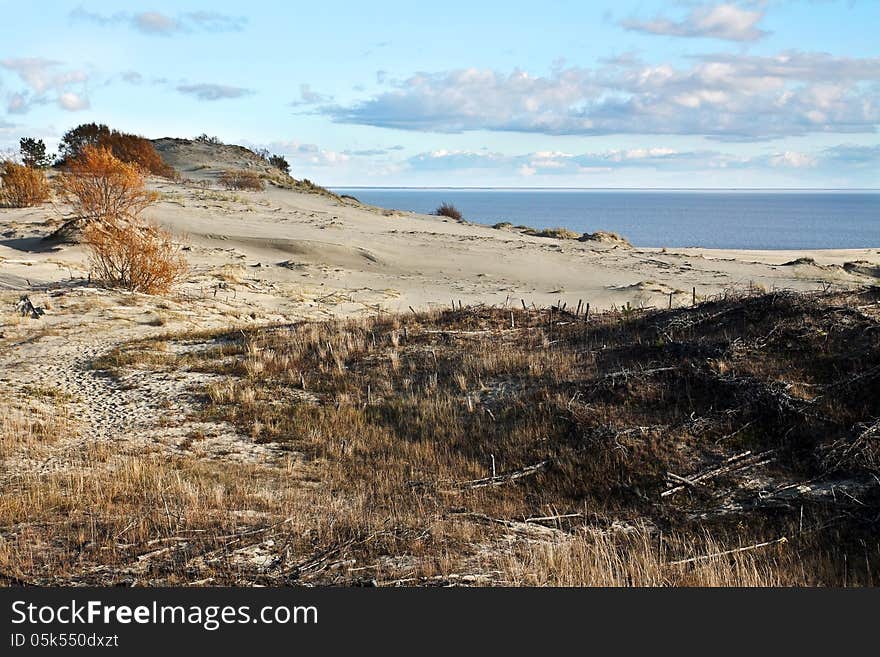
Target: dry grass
{"x": 22, "y": 186}
{"x": 555, "y": 233}
{"x": 640, "y": 559}
{"x": 392, "y": 426}
{"x": 28, "y": 425}
{"x": 605, "y": 236}
{"x": 449, "y": 210}
{"x": 239, "y": 179}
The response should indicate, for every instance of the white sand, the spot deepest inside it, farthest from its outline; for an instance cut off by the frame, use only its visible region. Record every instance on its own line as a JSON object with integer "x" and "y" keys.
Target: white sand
{"x": 288, "y": 244}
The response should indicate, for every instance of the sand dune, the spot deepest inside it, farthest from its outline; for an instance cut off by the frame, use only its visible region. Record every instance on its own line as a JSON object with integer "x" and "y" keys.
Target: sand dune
{"x": 304, "y": 240}
{"x": 288, "y": 243}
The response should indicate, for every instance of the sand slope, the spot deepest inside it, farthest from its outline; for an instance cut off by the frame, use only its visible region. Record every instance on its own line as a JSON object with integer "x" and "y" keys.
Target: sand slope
{"x": 279, "y": 255}
{"x": 300, "y": 241}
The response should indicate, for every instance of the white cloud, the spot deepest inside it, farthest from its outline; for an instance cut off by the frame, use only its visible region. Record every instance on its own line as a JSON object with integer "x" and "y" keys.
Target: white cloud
{"x": 718, "y": 96}
{"x": 132, "y": 77}
{"x": 212, "y": 92}
{"x": 153, "y": 22}
{"x": 649, "y": 158}
{"x": 73, "y": 102}
{"x": 793, "y": 160}
{"x": 214, "y": 21}
{"x": 309, "y": 96}
{"x": 722, "y": 21}
{"x": 558, "y": 162}
{"x": 310, "y": 159}
{"x": 159, "y": 24}
{"x": 17, "y": 103}
{"x": 45, "y": 82}
{"x": 852, "y": 155}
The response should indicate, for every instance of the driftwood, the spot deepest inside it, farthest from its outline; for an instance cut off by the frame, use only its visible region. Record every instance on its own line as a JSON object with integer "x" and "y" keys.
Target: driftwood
{"x": 735, "y": 463}
{"x": 530, "y": 530}
{"x": 324, "y": 559}
{"x": 503, "y": 478}
{"x": 690, "y": 483}
{"x": 27, "y": 309}
{"x": 836, "y": 493}
{"x": 861, "y": 452}
{"x": 562, "y": 516}
{"x": 635, "y": 374}
{"x": 747, "y": 548}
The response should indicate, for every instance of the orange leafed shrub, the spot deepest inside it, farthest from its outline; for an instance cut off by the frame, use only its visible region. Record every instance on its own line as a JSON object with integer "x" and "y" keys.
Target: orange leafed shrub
{"x": 135, "y": 255}
{"x": 129, "y": 148}
{"x": 248, "y": 180}
{"x": 139, "y": 151}
{"x": 101, "y": 186}
{"x": 22, "y": 186}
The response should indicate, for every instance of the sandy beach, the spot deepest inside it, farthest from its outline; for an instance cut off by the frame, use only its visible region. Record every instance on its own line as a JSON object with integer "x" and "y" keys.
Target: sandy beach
{"x": 278, "y": 246}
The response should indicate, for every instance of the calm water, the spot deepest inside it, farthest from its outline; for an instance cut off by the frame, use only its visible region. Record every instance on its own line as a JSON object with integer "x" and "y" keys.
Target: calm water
{"x": 712, "y": 219}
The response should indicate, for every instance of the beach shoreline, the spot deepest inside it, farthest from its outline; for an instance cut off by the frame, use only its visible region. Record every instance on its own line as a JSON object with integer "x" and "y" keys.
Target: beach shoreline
{"x": 286, "y": 244}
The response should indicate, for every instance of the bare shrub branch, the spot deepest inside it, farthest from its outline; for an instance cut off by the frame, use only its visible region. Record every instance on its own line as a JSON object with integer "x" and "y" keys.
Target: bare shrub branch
{"x": 137, "y": 256}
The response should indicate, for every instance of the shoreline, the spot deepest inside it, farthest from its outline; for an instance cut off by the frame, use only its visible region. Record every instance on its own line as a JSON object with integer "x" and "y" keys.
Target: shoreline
{"x": 293, "y": 254}
{"x": 729, "y": 219}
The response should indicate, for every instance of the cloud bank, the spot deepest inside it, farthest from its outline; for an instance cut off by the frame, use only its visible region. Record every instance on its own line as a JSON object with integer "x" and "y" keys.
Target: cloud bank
{"x": 654, "y": 158}
{"x": 45, "y": 82}
{"x": 795, "y": 93}
{"x": 723, "y": 21}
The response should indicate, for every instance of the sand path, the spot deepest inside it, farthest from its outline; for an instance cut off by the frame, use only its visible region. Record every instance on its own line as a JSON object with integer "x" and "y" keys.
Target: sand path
{"x": 53, "y": 362}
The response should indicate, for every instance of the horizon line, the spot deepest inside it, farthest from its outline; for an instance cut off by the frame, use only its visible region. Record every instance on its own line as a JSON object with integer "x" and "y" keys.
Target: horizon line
{"x": 626, "y": 189}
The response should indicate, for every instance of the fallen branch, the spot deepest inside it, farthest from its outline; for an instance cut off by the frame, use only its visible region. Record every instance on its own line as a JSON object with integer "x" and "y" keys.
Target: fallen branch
{"x": 504, "y": 478}
{"x": 690, "y": 483}
{"x": 562, "y": 516}
{"x": 704, "y": 557}
{"x": 529, "y": 529}
{"x": 613, "y": 377}
{"x": 861, "y": 452}
{"x": 735, "y": 463}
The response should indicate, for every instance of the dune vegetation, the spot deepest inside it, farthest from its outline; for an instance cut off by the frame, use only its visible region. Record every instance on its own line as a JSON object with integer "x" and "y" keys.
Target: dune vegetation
{"x": 732, "y": 443}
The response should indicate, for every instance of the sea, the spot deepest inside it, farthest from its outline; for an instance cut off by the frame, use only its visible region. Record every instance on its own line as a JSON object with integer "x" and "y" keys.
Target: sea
{"x": 722, "y": 219}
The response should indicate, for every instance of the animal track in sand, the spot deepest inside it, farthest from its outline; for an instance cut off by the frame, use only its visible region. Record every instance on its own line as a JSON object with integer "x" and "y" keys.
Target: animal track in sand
{"x": 144, "y": 409}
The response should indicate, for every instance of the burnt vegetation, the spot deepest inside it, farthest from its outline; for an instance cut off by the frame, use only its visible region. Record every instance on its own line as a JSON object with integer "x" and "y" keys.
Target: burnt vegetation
{"x": 732, "y": 443}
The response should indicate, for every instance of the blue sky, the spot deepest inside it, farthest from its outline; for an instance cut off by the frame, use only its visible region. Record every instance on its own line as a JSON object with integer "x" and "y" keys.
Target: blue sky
{"x": 631, "y": 93}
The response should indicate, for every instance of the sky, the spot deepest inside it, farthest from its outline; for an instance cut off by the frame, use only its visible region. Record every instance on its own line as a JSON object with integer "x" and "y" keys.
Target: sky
{"x": 629, "y": 93}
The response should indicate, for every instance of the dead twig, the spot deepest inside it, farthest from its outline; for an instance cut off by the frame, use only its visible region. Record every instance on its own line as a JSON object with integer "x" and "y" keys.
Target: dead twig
{"x": 503, "y": 478}
{"x": 704, "y": 557}
{"x": 738, "y": 462}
